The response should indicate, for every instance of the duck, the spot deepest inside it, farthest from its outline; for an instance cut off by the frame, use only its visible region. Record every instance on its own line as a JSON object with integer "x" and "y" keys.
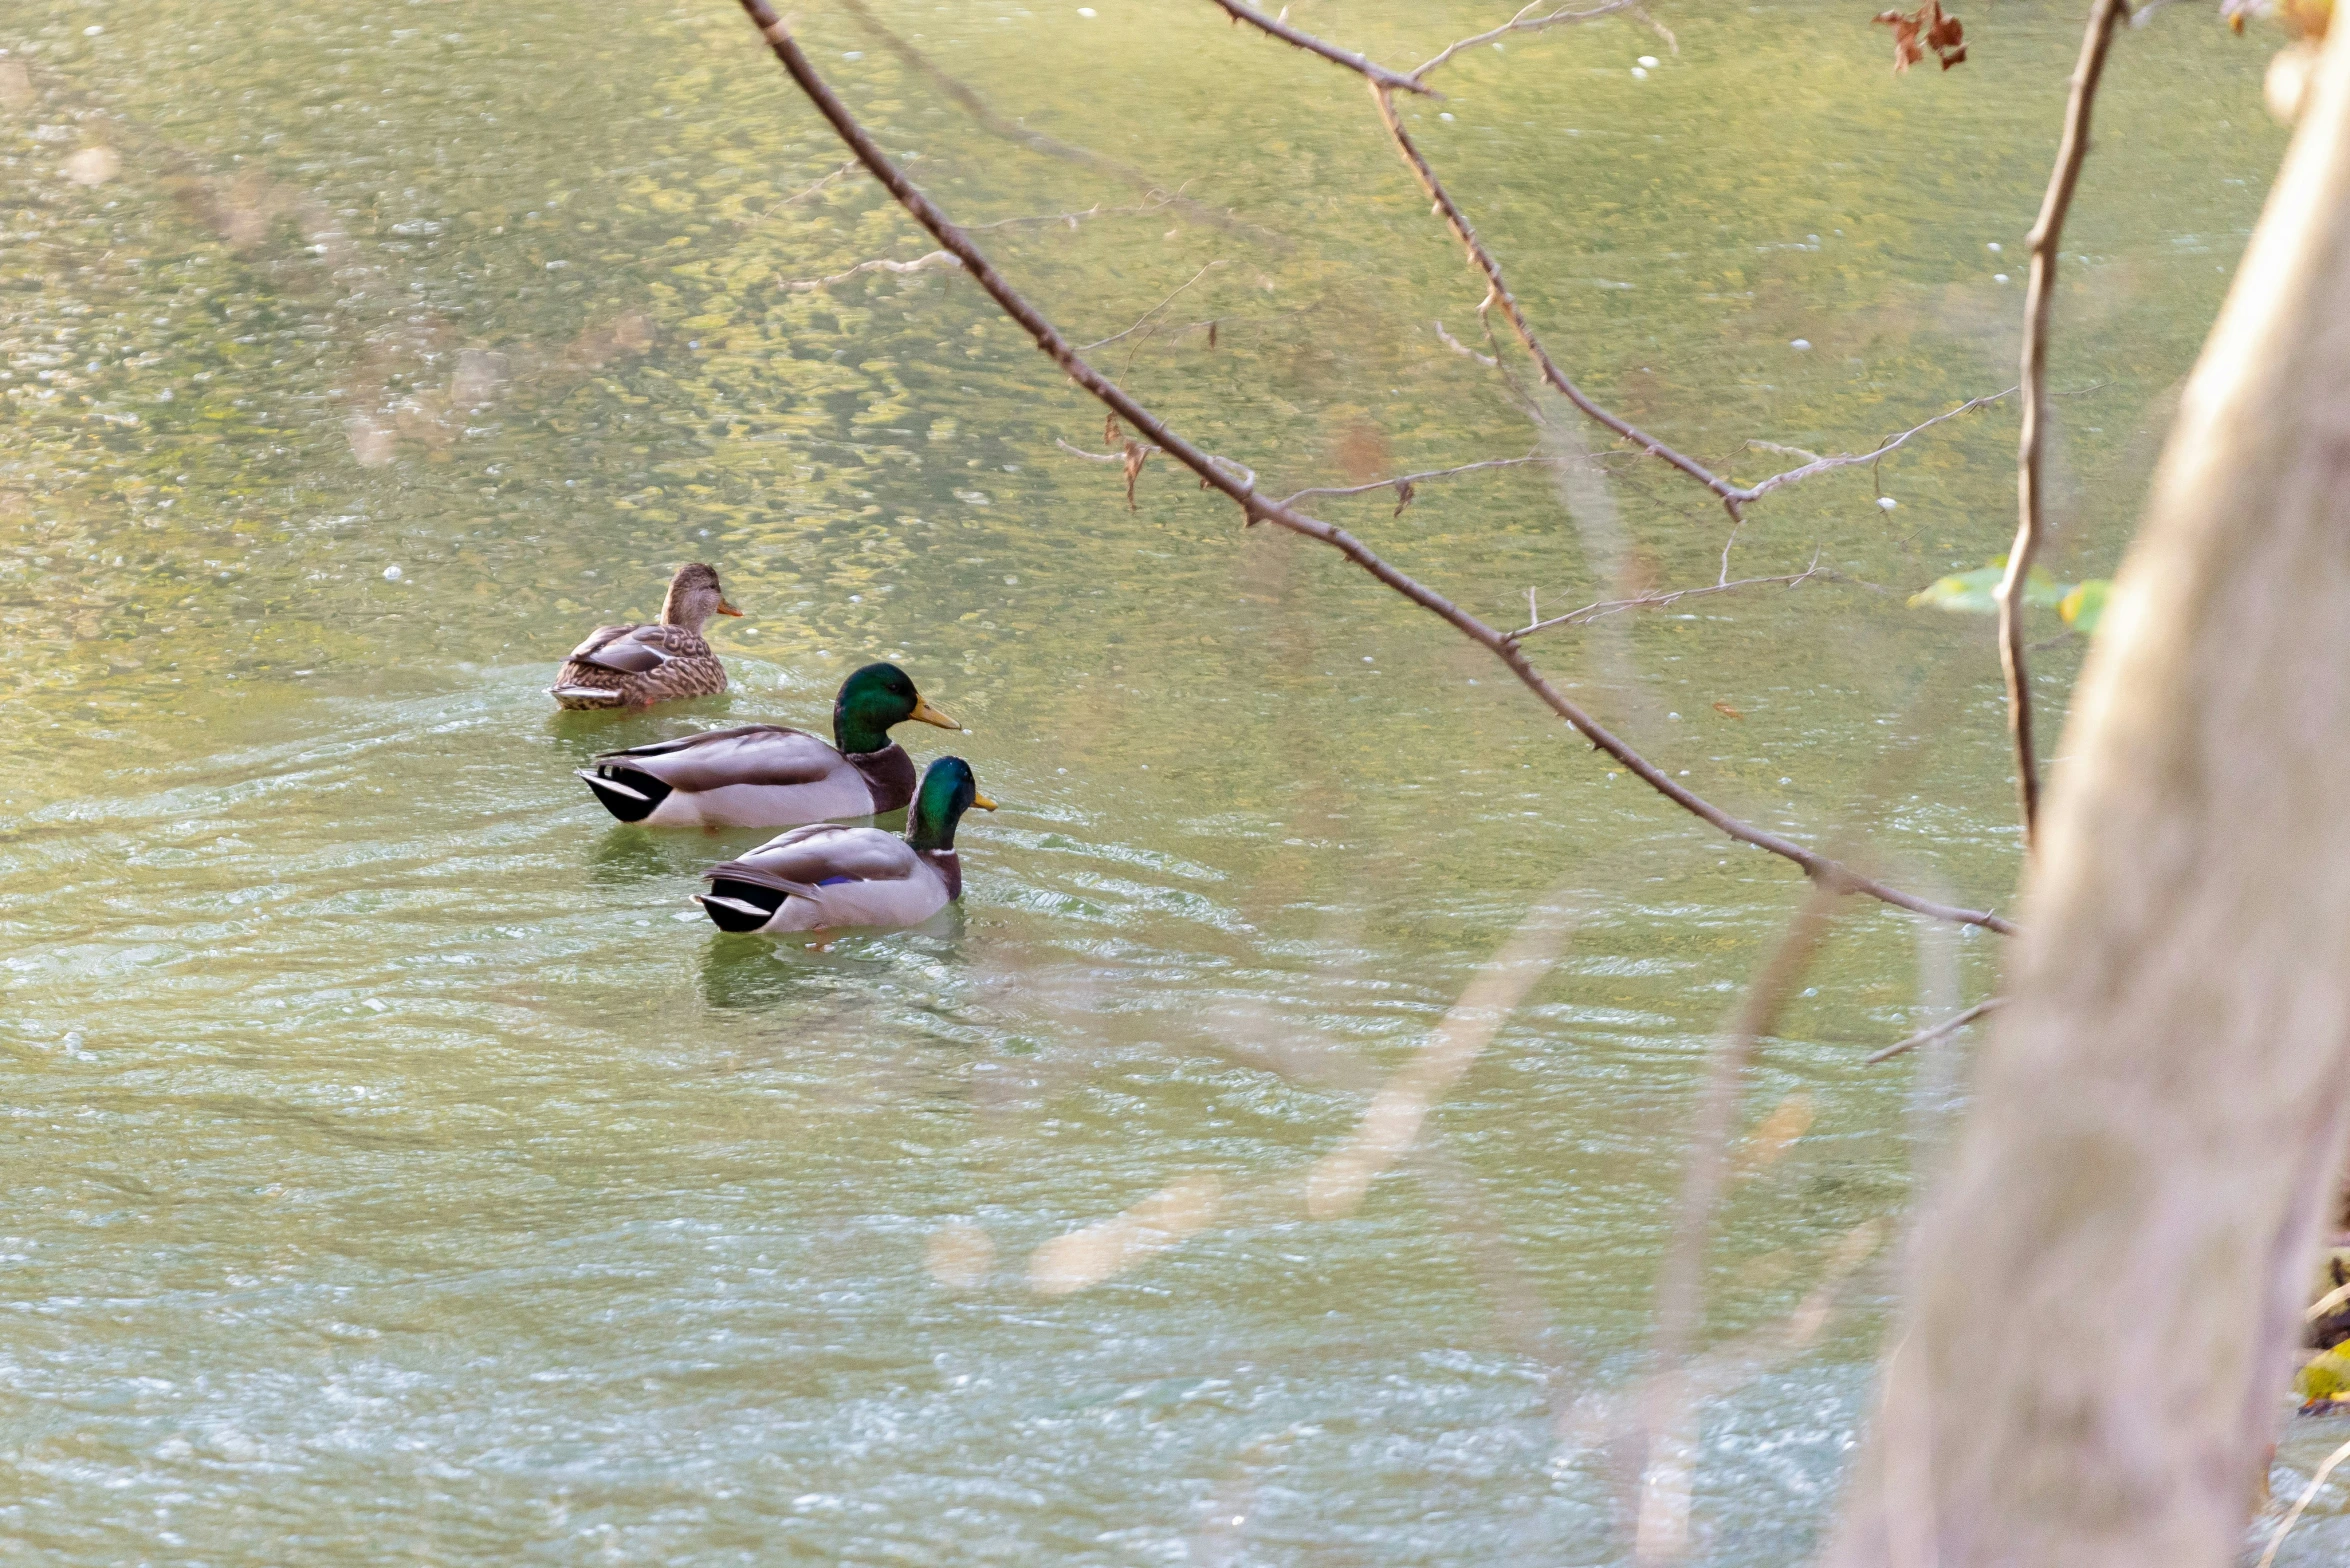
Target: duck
{"x": 635, "y": 666}
{"x": 771, "y": 776}
{"x": 826, "y": 877}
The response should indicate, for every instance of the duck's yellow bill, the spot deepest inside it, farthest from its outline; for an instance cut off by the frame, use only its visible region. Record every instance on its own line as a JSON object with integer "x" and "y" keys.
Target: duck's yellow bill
{"x": 725, "y": 608}
{"x": 981, "y": 801}
{"x": 930, "y": 715}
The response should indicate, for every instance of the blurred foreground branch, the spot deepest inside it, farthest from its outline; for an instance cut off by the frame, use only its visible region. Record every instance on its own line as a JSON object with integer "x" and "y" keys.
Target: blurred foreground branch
{"x": 2106, "y": 1297}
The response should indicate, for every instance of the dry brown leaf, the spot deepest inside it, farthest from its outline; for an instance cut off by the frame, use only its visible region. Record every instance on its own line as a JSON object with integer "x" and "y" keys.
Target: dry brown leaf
{"x": 1727, "y": 712}
{"x": 1136, "y": 455}
{"x": 1928, "y": 27}
{"x": 1404, "y": 491}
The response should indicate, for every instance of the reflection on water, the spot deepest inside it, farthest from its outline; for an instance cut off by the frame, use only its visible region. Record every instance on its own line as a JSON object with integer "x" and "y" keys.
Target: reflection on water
{"x": 402, "y": 1165}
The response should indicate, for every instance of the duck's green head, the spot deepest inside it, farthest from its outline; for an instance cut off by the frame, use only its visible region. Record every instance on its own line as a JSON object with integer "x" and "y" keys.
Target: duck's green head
{"x": 948, "y": 790}
{"x": 871, "y": 701}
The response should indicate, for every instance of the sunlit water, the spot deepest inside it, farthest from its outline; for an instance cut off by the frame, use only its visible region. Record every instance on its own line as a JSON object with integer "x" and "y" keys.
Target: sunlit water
{"x": 399, "y": 1166}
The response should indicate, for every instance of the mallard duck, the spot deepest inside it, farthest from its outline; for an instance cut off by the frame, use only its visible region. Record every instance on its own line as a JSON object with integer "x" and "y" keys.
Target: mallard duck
{"x": 630, "y": 666}
{"x": 824, "y": 877}
{"x": 767, "y": 776}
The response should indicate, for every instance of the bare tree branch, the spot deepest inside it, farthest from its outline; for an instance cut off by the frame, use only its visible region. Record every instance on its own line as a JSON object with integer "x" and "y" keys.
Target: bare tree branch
{"x": 1276, "y": 28}
{"x": 1144, "y": 319}
{"x": 1524, "y": 23}
{"x": 1821, "y": 465}
{"x": 1657, "y": 601}
{"x": 1072, "y": 219}
{"x": 1245, "y": 475}
{"x": 2039, "y": 304}
{"x": 1489, "y": 361}
{"x": 936, "y": 258}
{"x": 808, "y": 191}
{"x": 1825, "y": 872}
{"x": 1948, "y": 1026}
{"x": 1734, "y": 497}
{"x": 1422, "y": 477}
{"x": 1498, "y": 296}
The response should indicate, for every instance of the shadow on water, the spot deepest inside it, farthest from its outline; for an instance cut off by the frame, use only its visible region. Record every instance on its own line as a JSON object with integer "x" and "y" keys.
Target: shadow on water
{"x": 756, "y": 973}
{"x": 752, "y": 974}
{"x": 587, "y": 733}
{"x": 627, "y": 855}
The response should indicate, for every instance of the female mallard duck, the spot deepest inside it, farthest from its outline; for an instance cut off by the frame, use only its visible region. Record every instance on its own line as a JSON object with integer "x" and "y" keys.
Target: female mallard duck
{"x": 824, "y": 877}
{"x": 767, "y": 776}
{"x": 630, "y": 666}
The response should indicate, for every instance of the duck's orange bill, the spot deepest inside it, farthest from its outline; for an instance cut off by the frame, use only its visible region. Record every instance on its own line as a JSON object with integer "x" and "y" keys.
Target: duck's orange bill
{"x": 930, "y": 715}
{"x": 727, "y": 609}
{"x": 981, "y": 801}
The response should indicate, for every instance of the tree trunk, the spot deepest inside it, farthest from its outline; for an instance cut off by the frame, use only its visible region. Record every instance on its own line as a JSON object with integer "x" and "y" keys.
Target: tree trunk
{"x": 2097, "y": 1338}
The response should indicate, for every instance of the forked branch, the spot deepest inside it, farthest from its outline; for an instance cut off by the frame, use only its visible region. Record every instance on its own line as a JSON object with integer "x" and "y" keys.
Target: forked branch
{"x": 1658, "y": 601}
{"x": 1824, "y": 871}
{"x": 1734, "y": 497}
{"x": 2039, "y": 302}
{"x": 1526, "y": 22}
{"x": 1499, "y": 297}
{"x": 1822, "y": 465}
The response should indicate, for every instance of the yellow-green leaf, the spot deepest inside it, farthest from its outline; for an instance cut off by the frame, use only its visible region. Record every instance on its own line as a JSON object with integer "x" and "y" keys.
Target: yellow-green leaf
{"x": 1977, "y": 592}
{"x": 2084, "y": 607}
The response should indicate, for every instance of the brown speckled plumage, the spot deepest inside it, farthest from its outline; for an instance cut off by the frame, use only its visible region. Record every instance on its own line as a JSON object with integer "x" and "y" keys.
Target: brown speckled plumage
{"x": 631, "y": 666}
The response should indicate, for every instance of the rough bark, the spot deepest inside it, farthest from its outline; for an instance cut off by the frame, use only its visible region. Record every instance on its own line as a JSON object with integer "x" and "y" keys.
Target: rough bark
{"x": 2094, "y": 1350}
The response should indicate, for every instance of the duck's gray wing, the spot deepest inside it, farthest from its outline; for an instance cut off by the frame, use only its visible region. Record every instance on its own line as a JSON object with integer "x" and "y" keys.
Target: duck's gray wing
{"x": 598, "y": 638}
{"x": 807, "y": 858}
{"x": 632, "y": 650}
{"x": 768, "y": 754}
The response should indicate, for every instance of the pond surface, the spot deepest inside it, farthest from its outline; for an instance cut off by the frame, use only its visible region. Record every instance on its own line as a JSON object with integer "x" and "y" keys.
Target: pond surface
{"x": 400, "y": 1166}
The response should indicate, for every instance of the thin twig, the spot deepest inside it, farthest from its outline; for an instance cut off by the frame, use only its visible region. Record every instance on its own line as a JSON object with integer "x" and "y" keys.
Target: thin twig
{"x": 1144, "y": 318}
{"x": 1825, "y": 871}
{"x": 2293, "y": 1518}
{"x": 1640, "y": 14}
{"x": 1734, "y": 497}
{"x": 1274, "y": 27}
{"x": 1521, "y": 23}
{"x": 1948, "y": 1026}
{"x": 1489, "y": 361}
{"x": 1296, "y": 496}
{"x": 1821, "y": 465}
{"x": 1240, "y": 471}
{"x": 1072, "y": 219}
{"x": 1096, "y": 457}
{"x": 803, "y": 195}
{"x": 1657, "y": 601}
{"x": 2039, "y": 306}
{"x": 1498, "y": 296}
{"x": 936, "y": 258}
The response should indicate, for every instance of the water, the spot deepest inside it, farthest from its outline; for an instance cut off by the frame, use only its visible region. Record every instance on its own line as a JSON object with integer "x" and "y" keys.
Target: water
{"x": 402, "y": 1167}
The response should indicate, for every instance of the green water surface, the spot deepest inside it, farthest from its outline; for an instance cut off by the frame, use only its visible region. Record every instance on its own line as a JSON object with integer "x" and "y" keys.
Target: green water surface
{"x": 399, "y": 1167}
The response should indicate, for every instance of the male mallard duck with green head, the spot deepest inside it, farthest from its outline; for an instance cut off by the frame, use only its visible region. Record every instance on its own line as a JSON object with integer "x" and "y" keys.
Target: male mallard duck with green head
{"x": 768, "y": 776}
{"x": 632, "y": 666}
{"x": 824, "y": 878}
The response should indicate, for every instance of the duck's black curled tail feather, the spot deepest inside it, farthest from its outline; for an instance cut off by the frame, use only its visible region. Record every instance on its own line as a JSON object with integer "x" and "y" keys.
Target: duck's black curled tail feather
{"x": 625, "y": 792}
{"x": 740, "y": 906}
